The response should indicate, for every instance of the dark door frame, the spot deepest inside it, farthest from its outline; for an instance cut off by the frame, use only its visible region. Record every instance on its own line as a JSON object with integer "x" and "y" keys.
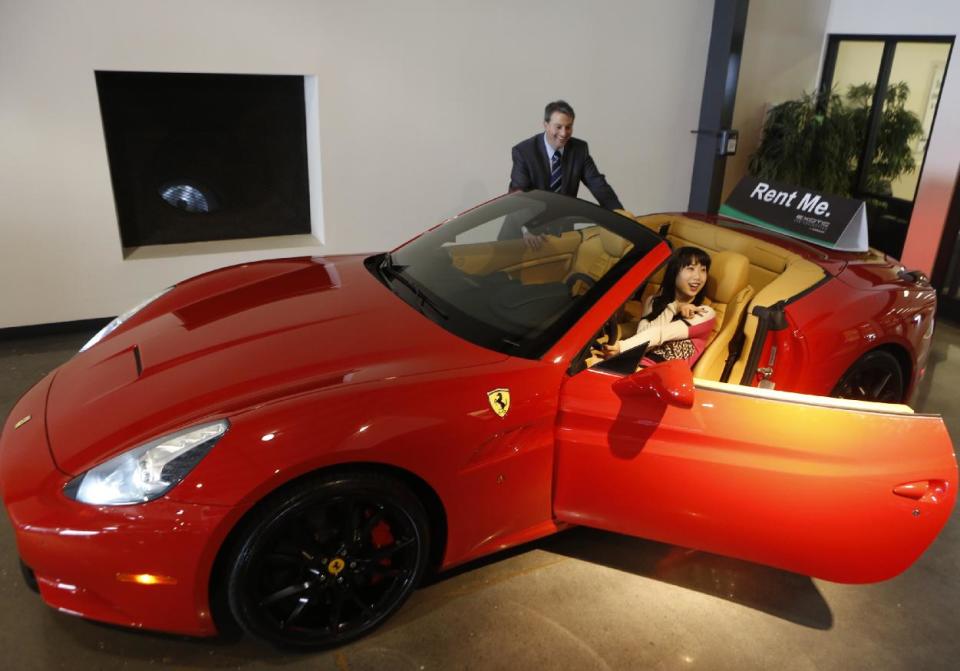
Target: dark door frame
{"x": 716, "y": 106}
{"x": 880, "y": 84}
{"x": 889, "y": 217}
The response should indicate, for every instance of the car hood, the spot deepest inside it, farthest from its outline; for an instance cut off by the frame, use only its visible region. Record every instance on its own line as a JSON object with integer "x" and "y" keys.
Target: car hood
{"x": 242, "y": 336}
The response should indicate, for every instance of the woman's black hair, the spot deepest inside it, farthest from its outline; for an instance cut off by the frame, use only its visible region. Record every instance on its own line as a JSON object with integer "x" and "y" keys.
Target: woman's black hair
{"x": 683, "y": 256}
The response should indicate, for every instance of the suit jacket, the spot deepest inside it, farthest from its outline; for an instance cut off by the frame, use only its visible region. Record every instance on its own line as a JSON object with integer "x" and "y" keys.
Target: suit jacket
{"x": 531, "y": 170}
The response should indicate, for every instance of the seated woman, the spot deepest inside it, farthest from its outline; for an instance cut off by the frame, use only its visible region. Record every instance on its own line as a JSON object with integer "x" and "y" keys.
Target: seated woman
{"x": 675, "y": 323}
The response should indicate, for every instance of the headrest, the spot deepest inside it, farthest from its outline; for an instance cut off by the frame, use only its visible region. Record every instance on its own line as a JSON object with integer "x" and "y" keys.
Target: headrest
{"x": 729, "y": 274}
{"x": 656, "y": 222}
{"x": 613, "y": 244}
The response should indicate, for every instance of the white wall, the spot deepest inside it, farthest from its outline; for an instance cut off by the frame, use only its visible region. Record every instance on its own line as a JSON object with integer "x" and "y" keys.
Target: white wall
{"x": 931, "y": 17}
{"x": 419, "y": 104}
{"x": 782, "y": 49}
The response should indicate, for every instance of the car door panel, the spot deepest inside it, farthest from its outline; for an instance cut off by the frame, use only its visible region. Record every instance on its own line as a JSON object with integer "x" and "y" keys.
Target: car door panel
{"x": 800, "y": 485}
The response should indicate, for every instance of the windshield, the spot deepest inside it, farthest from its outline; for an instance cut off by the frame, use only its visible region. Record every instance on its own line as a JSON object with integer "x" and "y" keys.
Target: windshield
{"x": 514, "y": 274}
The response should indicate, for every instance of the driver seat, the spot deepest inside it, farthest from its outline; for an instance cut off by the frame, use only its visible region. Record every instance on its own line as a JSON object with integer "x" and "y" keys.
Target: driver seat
{"x": 595, "y": 256}
{"x": 728, "y": 293}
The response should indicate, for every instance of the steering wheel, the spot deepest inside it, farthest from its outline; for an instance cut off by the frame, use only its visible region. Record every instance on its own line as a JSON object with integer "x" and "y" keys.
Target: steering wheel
{"x": 571, "y": 281}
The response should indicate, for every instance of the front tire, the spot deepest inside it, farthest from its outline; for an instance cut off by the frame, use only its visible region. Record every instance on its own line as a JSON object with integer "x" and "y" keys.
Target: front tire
{"x": 327, "y": 560}
{"x": 876, "y": 376}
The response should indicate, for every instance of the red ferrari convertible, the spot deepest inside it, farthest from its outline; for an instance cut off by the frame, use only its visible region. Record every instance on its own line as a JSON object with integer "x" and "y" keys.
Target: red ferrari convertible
{"x": 292, "y": 443}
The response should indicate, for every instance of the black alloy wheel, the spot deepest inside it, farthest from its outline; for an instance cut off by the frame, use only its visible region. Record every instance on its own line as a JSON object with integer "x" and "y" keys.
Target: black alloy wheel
{"x": 327, "y": 560}
{"x": 876, "y": 376}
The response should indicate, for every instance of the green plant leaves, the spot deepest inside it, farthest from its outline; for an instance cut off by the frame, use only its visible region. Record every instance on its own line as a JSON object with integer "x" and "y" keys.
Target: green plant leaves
{"x": 816, "y": 141}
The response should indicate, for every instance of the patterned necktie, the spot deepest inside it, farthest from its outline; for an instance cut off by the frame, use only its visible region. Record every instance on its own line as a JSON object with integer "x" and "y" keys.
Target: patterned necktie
{"x": 555, "y": 173}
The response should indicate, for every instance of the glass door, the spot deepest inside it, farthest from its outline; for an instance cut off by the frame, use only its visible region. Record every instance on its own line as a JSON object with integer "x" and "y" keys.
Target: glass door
{"x": 891, "y": 88}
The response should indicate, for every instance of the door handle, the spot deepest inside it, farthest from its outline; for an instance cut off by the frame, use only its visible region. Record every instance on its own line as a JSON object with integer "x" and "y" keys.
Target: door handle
{"x": 928, "y": 491}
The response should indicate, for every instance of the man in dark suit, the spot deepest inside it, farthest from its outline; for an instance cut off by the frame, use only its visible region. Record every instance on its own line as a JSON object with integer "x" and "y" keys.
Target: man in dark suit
{"x": 556, "y": 161}
{"x": 535, "y": 165}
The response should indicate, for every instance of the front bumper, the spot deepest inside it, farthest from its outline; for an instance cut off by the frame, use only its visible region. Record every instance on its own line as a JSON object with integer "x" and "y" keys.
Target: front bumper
{"x": 145, "y": 566}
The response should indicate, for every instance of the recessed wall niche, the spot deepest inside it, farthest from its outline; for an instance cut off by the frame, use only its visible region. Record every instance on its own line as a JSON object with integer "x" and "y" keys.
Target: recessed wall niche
{"x": 199, "y": 157}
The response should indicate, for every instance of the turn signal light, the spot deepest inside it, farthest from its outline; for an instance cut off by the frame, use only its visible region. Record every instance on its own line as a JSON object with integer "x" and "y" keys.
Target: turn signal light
{"x": 146, "y": 579}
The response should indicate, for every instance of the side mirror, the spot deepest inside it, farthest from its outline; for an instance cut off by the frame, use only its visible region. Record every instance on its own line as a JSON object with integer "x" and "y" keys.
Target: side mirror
{"x": 670, "y": 382}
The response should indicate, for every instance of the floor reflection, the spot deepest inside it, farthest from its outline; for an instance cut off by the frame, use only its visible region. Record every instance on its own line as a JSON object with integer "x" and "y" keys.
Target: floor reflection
{"x": 785, "y": 595}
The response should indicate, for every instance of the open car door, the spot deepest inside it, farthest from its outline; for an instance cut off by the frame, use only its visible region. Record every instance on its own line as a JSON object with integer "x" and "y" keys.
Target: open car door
{"x": 842, "y": 490}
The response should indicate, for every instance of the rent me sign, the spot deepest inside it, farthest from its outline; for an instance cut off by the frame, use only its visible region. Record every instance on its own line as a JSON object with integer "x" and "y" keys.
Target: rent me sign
{"x": 829, "y": 221}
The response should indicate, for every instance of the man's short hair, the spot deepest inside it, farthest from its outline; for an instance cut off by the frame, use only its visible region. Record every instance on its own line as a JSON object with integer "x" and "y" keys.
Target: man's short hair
{"x": 561, "y": 106}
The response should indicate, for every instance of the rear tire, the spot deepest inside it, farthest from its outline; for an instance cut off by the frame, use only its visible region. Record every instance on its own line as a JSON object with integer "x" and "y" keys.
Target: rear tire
{"x": 327, "y": 560}
{"x": 876, "y": 376}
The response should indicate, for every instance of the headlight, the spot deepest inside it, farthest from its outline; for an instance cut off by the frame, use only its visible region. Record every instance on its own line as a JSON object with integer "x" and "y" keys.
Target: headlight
{"x": 146, "y": 472}
{"x": 109, "y": 328}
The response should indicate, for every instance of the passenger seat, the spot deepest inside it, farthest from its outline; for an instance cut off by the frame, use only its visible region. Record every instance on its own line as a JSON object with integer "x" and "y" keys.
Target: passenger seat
{"x": 728, "y": 293}
{"x": 595, "y": 256}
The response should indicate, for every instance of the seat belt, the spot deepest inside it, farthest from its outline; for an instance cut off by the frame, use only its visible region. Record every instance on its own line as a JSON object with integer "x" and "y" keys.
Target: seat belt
{"x": 735, "y": 347}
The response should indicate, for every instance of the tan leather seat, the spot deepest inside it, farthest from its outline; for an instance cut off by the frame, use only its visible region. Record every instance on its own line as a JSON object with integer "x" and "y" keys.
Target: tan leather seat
{"x": 596, "y": 255}
{"x": 728, "y": 293}
{"x": 775, "y": 274}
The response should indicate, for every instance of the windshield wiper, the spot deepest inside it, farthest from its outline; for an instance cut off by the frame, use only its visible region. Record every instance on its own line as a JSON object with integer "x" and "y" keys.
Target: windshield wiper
{"x": 391, "y": 270}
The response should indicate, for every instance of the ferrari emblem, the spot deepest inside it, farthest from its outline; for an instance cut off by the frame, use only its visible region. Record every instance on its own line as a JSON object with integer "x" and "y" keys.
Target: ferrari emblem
{"x": 21, "y": 422}
{"x": 499, "y": 401}
{"x": 335, "y": 566}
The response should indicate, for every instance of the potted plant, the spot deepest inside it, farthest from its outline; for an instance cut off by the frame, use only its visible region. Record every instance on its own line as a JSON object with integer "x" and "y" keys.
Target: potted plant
{"x": 816, "y": 141}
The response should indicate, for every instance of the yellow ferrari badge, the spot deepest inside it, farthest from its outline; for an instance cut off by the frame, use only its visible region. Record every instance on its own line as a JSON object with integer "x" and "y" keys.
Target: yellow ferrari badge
{"x": 21, "y": 422}
{"x": 499, "y": 401}
{"x": 336, "y": 566}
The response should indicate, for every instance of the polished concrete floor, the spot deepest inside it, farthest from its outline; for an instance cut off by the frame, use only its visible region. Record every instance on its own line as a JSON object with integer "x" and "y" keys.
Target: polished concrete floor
{"x": 580, "y": 600}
